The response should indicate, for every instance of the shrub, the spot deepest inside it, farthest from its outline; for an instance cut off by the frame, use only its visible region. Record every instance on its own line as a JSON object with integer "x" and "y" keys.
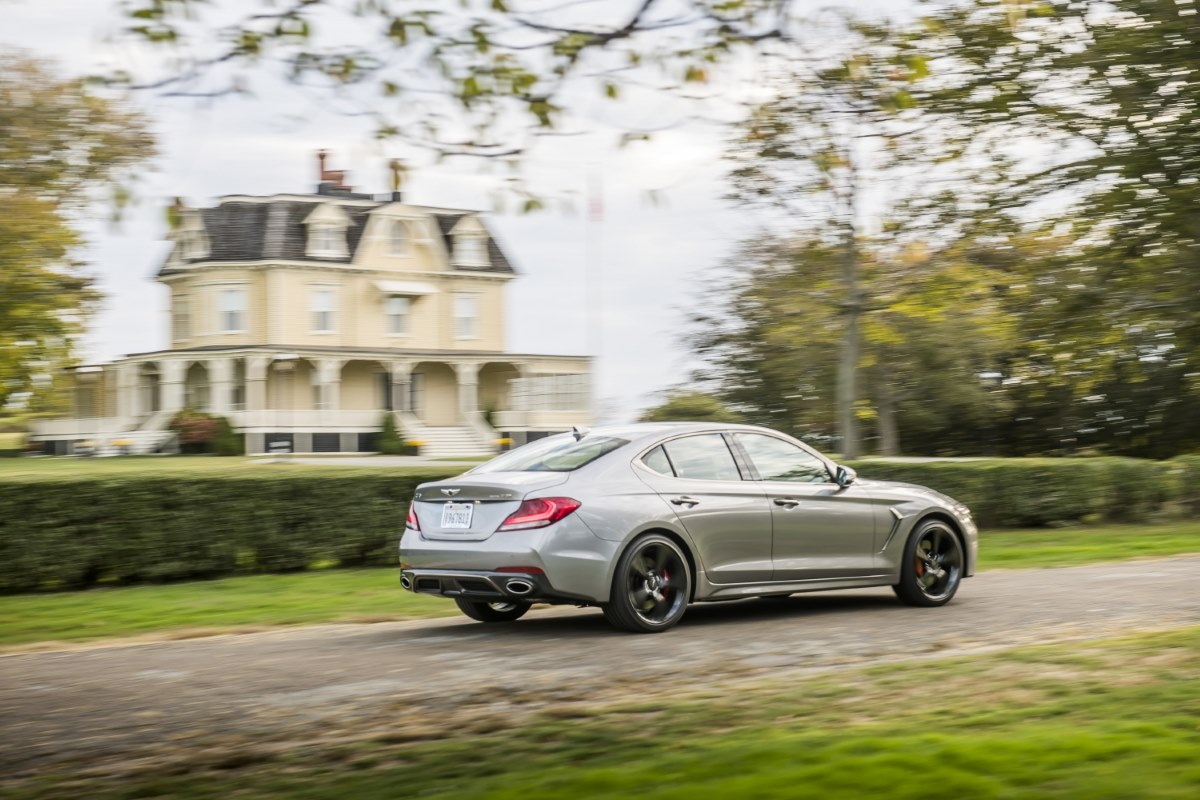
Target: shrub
{"x": 199, "y": 432}
{"x": 1032, "y": 492}
{"x": 1189, "y": 484}
{"x": 391, "y": 441}
{"x": 227, "y": 441}
{"x": 77, "y": 532}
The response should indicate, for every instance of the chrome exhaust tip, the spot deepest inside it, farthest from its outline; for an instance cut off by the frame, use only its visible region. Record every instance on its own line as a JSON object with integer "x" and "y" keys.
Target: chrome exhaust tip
{"x": 405, "y": 582}
{"x": 518, "y": 587}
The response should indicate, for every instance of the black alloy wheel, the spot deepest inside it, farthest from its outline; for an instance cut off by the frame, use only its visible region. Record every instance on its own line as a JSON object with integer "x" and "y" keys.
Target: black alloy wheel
{"x": 933, "y": 565}
{"x": 651, "y": 587}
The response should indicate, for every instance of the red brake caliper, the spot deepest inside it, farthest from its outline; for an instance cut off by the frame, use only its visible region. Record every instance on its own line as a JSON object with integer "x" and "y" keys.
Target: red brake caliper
{"x": 920, "y": 568}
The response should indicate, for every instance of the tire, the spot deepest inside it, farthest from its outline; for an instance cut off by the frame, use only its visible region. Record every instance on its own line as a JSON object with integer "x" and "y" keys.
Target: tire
{"x": 492, "y": 612}
{"x": 651, "y": 586}
{"x": 933, "y": 565}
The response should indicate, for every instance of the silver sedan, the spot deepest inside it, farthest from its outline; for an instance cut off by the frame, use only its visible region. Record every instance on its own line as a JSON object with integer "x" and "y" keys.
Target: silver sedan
{"x": 642, "y": 520}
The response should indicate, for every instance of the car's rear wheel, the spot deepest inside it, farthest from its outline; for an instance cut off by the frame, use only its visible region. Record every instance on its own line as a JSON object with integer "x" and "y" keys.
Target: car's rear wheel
{"x": 651, "y": 586}
{"x": 933, "y": 565}
{"x": 492, "y": 612}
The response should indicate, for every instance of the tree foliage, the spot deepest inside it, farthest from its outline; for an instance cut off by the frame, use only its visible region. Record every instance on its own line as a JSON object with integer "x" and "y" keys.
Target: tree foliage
{"x": 476, "y": 77}
{"x": 60, "y": 144}
{"x": 690, "y": 407}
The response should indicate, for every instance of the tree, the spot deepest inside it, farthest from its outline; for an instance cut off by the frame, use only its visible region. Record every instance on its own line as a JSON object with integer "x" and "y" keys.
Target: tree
{"x": 932, "y": 324}
{"x": 831, "y": 135}
{"x": 478, "y": 77}
{"x": 690, "y": 407}
{"x": 1089, "y": 114}
{"x": 60, "y": 144}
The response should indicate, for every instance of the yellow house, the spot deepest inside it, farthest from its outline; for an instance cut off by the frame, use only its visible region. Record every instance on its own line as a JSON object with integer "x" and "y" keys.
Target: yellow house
{"x": 305, "y": 318}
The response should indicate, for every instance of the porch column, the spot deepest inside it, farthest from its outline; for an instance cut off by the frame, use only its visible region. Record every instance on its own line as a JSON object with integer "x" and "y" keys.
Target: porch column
{"x": 401, "y": 372}
{"x": 127, "y": 390}
{"x": 329, "y": 377}
{"x": 172, "y": 374}
{"x": 468, "y": 388}
{"x": 256, "y": 382}
{"x": 220, "y": 385}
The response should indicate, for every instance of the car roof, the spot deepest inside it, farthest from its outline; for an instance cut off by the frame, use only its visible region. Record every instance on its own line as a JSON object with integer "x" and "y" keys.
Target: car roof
{"x": 652, "y": 430}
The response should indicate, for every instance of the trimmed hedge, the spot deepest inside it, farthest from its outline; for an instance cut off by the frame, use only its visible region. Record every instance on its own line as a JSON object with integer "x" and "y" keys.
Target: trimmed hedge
{"x": 74, "y": 533}
{"x": 1033, "y": 492}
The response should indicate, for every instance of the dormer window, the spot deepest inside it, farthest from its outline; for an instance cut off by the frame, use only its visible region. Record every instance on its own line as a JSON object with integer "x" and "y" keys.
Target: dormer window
{"x": 191, "y": 239}
{"x": 398, "y": 240}
{"x": 471, "y": 249}
{"x": 327, "y": 232}
{"x": 326, "y": 240}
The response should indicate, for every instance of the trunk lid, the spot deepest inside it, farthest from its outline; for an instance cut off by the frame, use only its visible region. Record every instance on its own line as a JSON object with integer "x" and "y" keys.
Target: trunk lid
{"x": 442, "y": 507}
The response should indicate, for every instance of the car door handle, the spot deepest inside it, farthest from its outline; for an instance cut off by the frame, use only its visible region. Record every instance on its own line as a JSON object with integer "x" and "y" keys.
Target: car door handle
{"x": 685, "y": 501}
{"x": 787, "y": 502}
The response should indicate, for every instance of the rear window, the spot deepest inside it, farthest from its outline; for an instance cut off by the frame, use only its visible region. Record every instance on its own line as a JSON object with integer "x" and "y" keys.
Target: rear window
{"x": 555, "y": 454}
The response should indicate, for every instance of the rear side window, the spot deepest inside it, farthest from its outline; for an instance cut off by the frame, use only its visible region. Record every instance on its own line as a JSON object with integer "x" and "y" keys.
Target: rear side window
{"x": 657, "y": 460}
{"x": 553, "y": 454}
{"x": 703, "y": 457}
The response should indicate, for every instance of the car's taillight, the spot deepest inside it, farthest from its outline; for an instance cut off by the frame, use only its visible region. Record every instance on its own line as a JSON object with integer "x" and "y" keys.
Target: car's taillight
{"x": 412, "y": 523}
{"x": 539, "y": 513}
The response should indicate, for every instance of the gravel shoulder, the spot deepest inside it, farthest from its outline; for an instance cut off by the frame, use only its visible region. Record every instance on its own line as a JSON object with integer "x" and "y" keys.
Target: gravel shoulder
{"x": 222, "y": 699}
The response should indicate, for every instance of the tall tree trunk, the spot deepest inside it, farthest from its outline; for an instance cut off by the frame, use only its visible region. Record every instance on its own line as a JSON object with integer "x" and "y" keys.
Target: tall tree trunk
{"x": 889, "y": 437}
{"x": 847, "y": 377}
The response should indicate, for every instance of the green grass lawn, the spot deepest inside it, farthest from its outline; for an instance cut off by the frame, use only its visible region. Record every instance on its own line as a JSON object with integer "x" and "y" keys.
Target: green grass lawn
{"x": 374, "y": 594}
{"x": 200, "y": 607}
{"x": 1064, "y": 547}
{"x": 1102, "y": 719}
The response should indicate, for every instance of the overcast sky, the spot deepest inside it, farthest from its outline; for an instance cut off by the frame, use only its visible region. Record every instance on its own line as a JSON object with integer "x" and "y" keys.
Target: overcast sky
{"x": 653, "y": 257}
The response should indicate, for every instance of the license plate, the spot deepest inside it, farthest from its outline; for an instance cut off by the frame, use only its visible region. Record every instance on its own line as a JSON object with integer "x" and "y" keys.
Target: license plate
{"x": 457, "y": 515}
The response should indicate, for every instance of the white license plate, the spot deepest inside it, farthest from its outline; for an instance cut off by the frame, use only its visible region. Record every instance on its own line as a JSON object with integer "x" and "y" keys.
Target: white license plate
{"x": 457, "y": 515}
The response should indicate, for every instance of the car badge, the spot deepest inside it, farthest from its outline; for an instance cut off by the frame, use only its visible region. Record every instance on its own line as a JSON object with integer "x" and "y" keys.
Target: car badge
{"x": 451, "y": 492}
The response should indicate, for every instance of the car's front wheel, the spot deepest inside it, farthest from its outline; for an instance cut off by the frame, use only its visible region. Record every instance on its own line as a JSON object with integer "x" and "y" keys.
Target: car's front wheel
{"x": 651, "y": 586}
{"x": 933, "y": 565}
{"x": 492, "y": 612}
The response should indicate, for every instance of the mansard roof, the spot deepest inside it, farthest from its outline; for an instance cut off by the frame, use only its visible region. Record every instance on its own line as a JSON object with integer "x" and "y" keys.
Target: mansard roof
{"x": 272, "y": 228}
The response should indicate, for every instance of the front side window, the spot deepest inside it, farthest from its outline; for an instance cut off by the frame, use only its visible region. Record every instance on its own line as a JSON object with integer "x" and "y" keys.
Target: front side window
{"x": 397, "y": 315}
{"x": 553, "y": 454}
{"x": 466, "y": 316}
{"x": 232, "y": 306}
{"x": 777, "y": 460}
{"x": 322, "y": 310}
{"x": 704, "y": 457}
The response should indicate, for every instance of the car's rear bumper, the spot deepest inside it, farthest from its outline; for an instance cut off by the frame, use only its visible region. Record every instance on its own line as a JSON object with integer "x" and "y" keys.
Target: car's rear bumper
{"x": 565, "y": 562}
{"x": 486, "y": 586}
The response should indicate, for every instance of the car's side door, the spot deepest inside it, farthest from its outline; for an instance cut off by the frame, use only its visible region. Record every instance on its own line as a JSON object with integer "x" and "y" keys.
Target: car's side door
{"x": 821, "y": 530}
{"x": 728, "y": 518}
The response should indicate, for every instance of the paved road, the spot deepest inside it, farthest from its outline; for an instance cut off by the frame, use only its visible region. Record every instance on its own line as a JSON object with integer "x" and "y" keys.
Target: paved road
{"x": 217, "y": 700}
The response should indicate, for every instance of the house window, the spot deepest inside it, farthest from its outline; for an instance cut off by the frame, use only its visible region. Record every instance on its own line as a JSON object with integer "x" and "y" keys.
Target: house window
{"x": 327, "y": 240}
{"x": 181, "y": 319}
{"x": 231, "y": 304}
{"x": 322, "y": 310}
{"x": 399, "y": 238}
{"x": 466, "y": 316}
{"x": 471, "y": 249}
{"x": 397, "y": 315}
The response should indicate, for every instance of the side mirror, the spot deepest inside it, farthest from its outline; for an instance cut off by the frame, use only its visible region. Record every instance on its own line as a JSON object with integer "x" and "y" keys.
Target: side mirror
{"x": 845, "y": 476}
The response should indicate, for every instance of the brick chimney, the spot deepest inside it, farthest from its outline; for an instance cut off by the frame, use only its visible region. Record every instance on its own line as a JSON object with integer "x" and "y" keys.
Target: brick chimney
{"x": 330, "y": 179}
